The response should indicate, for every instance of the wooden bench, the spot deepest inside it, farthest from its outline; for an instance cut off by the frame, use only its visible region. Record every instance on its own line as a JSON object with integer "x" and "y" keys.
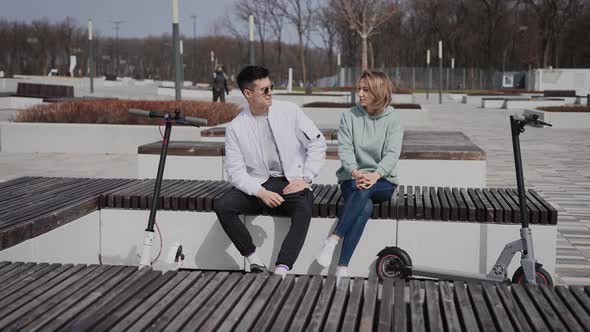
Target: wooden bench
{"x": 79, "y": 298}
{"x": 559, "y": 93}
{"x": 37, "y": 90}
{"x": 90, "y": 218}
{"x": 440, "y": 158}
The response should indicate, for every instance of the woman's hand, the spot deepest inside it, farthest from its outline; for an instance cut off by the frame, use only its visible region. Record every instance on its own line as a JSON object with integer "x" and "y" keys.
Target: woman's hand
{"x": 367, "y": 180}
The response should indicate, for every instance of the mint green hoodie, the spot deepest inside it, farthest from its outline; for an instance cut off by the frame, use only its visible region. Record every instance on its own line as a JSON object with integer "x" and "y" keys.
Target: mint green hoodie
{"x": 369, "y": 143}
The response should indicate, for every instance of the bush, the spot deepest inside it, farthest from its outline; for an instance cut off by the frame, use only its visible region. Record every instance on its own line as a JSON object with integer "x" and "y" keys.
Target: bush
{"x": 114, "y": 111}
{"x": 322, "y": 104}
{"x": 579, "y": 109}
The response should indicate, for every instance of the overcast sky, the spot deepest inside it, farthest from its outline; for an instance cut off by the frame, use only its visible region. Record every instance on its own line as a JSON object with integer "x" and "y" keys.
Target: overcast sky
{"x": 142, "y": 17}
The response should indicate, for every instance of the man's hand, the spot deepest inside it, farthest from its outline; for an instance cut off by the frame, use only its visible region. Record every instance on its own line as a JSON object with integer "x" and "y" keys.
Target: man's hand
{"x": 271, "y": 199}
{"x": 367, "y": 180}
{"x": 295, "y": 186}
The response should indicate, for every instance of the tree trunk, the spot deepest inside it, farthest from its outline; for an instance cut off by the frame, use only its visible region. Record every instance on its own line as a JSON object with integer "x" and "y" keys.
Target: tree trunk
{"x": 364, "y": 62}
{"x": 302, "y": 58}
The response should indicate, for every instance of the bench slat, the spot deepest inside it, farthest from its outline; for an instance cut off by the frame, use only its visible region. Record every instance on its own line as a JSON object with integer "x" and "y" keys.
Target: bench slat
{"x": 322, "y": 306}
{"x": 339, "y": 305}
{"x": 353, "y": 306}
{"x": 230, "y": 320}
{"x": 436, "y": 204}
{"x": 410, "y": 201}
{"x": 369, "y": 305}
{"x": 427, "y": 203}
{"x": 255, "y": 311}
{"x": 573, "y": 305}
{"x": 417, "y": 306}
{"x": 276, "y": 304}
{"x": 401, "y": 202}
{"x": 531, "y": 313}
{"x": 287, "y": 312}
{"x": 386, "y": 306}
{"x": 213, "y": 300}
{"x": 498, "y": 311}
{"x": 449, "y": 310}
{"x": 444, "y": 204}
{"x": 303, "y": 314}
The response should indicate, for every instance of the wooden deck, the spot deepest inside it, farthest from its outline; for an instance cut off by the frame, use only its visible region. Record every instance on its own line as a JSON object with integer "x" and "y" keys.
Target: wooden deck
{"x": 55, "y": 297}
{"x": 31, "y": 206}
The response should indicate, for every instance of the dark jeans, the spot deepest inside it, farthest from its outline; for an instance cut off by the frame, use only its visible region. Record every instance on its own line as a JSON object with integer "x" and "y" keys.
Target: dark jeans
{"x": 219, "y": 95}
{"x": 297, "y": 205}
{"x": 358, "y": 207}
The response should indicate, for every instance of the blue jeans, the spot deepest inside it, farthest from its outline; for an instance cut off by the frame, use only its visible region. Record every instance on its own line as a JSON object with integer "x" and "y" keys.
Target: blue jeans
{"x": 358, "y": 207}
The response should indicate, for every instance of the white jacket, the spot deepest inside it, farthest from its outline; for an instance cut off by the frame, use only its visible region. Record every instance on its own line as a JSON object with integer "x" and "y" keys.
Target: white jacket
{"x": 302, "y": 147}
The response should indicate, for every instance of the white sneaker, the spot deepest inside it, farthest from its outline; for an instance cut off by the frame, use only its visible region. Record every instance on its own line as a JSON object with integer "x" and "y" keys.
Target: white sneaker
{"x": 325, "y": 256}
{"x": 341, "y": 272}
{"x": 281, "y": 270}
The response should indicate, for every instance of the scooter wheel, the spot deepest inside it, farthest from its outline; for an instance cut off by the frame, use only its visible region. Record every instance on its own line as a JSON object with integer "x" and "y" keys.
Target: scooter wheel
{"x": 541, "y": 275}
{"x": 393, "y": 262}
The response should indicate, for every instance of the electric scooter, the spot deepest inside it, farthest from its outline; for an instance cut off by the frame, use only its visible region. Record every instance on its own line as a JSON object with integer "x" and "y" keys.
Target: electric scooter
{"x": 394, "y": 262}
{"x": 170, "y": 119}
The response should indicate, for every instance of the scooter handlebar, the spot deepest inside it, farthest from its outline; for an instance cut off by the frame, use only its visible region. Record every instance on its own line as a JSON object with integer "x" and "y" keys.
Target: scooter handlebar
{"x": 147, "y": 114}
{"x": 530, "y": 119}
{"x": 187, "y": 120}
{"x": 194, "y": 121}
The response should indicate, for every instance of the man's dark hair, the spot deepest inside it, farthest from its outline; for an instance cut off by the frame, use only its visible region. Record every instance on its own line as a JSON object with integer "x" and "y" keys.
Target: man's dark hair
{"x": 250, "y": 74}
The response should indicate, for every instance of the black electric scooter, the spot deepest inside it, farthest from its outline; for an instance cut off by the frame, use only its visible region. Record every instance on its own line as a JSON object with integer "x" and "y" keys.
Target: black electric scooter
{"x": 394, "y": 262}
{"x": 169, "y": 119}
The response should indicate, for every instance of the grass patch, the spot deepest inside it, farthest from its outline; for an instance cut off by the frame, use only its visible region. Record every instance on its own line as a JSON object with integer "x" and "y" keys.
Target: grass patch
{"x": 114, "y": 111}
{"x": 573, "y": 109}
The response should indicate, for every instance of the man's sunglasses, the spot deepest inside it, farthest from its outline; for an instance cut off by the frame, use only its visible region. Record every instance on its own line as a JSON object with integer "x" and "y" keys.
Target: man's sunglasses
{"x": 266, "y": 90}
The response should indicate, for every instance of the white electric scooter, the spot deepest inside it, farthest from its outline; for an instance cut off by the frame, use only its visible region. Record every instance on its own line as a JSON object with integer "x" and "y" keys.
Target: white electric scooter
{"x": 145, "y": 257}
{"x": 394, "y": 262}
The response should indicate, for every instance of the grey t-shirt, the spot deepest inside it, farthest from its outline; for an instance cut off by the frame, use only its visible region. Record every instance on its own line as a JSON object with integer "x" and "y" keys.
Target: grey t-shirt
{"x": 269, "y": 146}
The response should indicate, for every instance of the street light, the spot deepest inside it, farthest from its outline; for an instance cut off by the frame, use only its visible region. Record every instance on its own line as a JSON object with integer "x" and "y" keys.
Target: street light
{"x": 117, "y": 23}
{"x": 440, "y": 71}
{"x": 91, "y": 56}
{"x": 251, "y": 38}
{"x": 429, "y": 73}
{"x": 194, "y": 17}
{"x": 175, "y": 46}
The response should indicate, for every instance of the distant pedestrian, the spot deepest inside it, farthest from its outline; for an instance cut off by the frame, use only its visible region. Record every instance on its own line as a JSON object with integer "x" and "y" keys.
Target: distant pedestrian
{"x": 219, "y": 85}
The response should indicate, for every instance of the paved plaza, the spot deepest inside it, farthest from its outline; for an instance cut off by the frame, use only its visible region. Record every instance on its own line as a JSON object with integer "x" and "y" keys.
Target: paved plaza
{"x": 556, "y": 164}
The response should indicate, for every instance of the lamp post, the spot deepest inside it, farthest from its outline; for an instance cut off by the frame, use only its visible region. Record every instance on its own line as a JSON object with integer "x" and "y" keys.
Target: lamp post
{"x": 91, "y": 56}
{"x": 440, "y": 71}
{"x": 428, "y": 73}
{"x": 175, "y": 46}
{"x": 251, "y": 38}
{"x": 452, "y": 73}
{"x": 194, "y": 76}
{"x": 212, "y": 61}
{"x": 117, "y": 23}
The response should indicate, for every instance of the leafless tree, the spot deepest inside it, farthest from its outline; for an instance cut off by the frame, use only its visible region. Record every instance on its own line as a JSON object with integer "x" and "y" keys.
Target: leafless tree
{"x": 365, "y": 17}
{"x": 299, "y": 13}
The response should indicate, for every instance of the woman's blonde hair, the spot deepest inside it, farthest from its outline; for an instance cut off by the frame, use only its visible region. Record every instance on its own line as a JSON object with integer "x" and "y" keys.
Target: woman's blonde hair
{"x": 380, "y": 87}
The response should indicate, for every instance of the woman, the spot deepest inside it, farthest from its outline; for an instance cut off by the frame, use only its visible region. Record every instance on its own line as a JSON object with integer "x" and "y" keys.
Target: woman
{"x": 369, "y": 144}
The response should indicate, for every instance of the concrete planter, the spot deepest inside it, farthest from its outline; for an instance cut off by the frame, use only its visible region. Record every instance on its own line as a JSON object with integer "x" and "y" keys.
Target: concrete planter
{"x": 18, "y": 103}
{"x": 438, "y": 173}
{"x": 83, "y": 138}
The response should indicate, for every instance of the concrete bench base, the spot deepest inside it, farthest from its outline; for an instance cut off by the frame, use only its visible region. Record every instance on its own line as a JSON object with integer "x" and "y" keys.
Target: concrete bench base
{"x": 116, "y": 236}
{"x": 439, "y": 173}
{"x": 472, "y": 247}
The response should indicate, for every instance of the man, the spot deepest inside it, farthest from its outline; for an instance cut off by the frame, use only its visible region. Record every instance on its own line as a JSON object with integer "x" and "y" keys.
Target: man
{"x": 272, "y": 153}
{"x": 219, "y": 85}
